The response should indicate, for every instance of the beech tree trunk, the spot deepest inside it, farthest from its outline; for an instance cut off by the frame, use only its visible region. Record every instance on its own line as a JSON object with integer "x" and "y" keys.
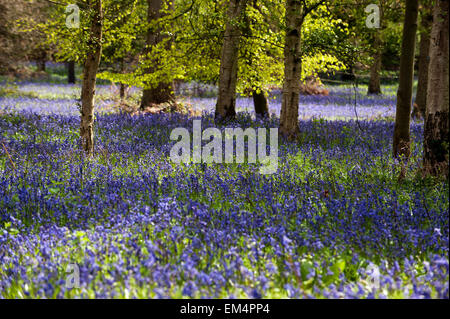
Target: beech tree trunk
{"x": 71, "y": 72}
{"x": 260, "y": 102}
{"x": 226, "y": 100}
{"x": 160, "y": 94}
{"x": 401, "y": 144}
{"x": 163, "y": 92}
{"x": 374, "y": 82}
{"x": 41, "y": 65}
{"x": 292, "y": 70}
{"x": 424, "y": 59}
{"x": 122, "y": 90}
{"x": 436, "y": 140}
{"x": 122, "y": 86}
{"x": 375, "y": 69}
{"x": 89, "y": 75}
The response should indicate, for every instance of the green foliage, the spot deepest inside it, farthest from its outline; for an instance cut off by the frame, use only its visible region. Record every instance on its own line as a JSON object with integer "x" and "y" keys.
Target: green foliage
{"x": 192, "y": 35}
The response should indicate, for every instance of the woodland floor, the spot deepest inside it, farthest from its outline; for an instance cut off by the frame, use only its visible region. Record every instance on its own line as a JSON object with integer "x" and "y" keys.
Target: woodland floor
{"x": 138, "y": 225}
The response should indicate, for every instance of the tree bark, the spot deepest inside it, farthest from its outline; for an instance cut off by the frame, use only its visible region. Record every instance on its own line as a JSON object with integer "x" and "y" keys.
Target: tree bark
{"x": 424, "y": 59}
{"x": 41, "y": 65}
{"x": 71, "y": 72}
{"x": 260, "y": 102}
{"x": 401, "y": 143}
{"x": 374, "y": 82}
{"x": 163, "y": 92}
{"x": 122, "y": 86}
{"x": 122, "y": 90}
{"x": 292, "y": 70}
{"x": 436, "y": 140}
{"x": 89, "y": 76}
{"x": 226, "y": 100}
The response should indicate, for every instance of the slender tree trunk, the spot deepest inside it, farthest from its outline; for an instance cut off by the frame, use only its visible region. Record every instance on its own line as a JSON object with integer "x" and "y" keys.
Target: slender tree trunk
{"x": 226, "y": 101}
{"x": 260, "y": 102}
{"x": 375, "y": 69}
{"x": 401, "y": 144}
{"x": 122, "y": 86}
{"x": 71, "y": 72}
{"x": 292, "y": 69}
{"x": 122, "y": 91}
{"x": 163, "y": 92}
{"x": 160, "y": 94}
{"x": 258, "y": 94}
{"x": 436, "y": 140}
{"x": 424, "y": 59}
{"x": 374, "y": 82}
{"x": 41, "y": 65}
{"x": 89, "y": 76}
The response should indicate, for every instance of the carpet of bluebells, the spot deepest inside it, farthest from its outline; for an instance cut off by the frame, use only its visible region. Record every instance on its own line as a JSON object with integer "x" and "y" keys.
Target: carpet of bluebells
{"x": 333, "y": 222}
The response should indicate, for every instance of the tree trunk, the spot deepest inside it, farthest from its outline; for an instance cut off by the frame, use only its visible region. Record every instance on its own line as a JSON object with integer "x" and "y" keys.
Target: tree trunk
{"x": 71, "y": 72}
{"x": 122, "y": 86}
{"x": 260, "y": 102}
{"x": 424, "y": 59}
{"x": 226, "y": 100}
{"x": 375, "y": 69}
{"x": 292, "y": 70}
{"x": 436, "y": 140}
{"x": 122, "y": 91}
{"x": 89, "y": 75}
{"x": 374, "y": 82}
{"x": 401, "y": 144}
{"x": 41, "y": 65}
{"x": 163, "y": 92}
